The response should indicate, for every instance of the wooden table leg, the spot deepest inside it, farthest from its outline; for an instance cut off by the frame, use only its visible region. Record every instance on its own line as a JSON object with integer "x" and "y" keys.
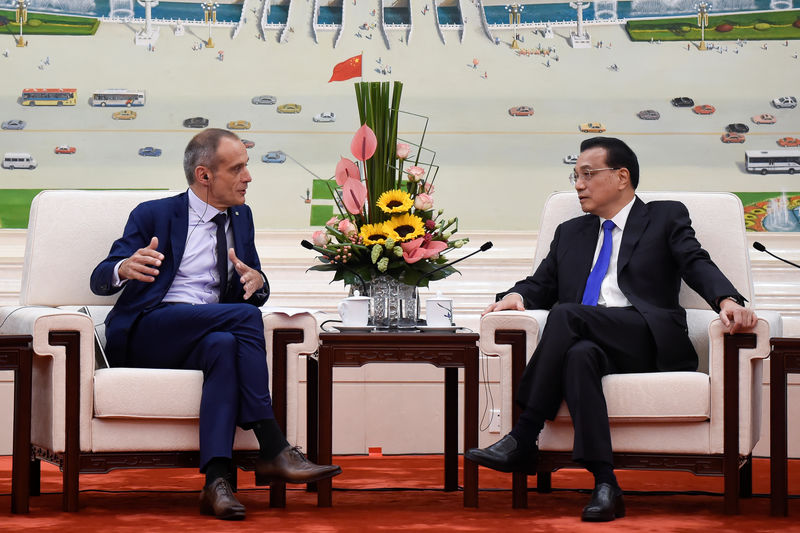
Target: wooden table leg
{"x": 471, "y": 426}
{"x": 16, "y": 355}
{"x": 312, "y": 415}
{"x": 450, "y": 429}
{"x": 779, "y": 504}
{"x": 325, "y": 427}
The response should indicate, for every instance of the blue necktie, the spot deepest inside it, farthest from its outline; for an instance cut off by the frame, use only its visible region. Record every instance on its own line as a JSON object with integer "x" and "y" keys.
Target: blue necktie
{"x": 222, "y": 254}
{"x": 592, "y": 291}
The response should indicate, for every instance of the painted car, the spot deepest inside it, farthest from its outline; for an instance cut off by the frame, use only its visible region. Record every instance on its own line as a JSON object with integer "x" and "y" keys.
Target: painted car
{"x": 731, "y": 137}
{"x": 14, "y": 124}
{"x": 125, "y": 114}
{"x": 704, "y": 109}
{"x": 571, "y": 159}
{"x": 64, "y": 149}
{"x": 149, "y": 151}
{"x": 737, "y": 127}
{"x": 290, "y": 108}
{"x": 764, "y": 118}
{"x": 264, "y": 99}
{"x": 238, "y": 125}
{"x": 248, "y": 143}
{"x": 682, "y": 101}
{"x": 789, "y": 102}
{"x": 592, "y": 127}
{"x": 649, "y": 114}
{"x": 789, "y": 141}
{"x": 195, "y": 122}
{"x": 521, "y": 111}
{"x": 326, "y": 116}
{"x": 276, "y": 156}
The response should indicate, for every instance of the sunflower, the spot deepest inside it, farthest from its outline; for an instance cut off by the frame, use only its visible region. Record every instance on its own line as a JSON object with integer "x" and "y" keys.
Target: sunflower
{"x": 406, "y": 226}
{"x": 395, "y": 201}
{"x": 374, "y": 233}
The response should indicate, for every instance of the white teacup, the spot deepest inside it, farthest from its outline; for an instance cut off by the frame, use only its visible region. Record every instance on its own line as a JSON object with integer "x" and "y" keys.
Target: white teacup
{"x": 439, "y": 311}
{"x": 354, "y": 311}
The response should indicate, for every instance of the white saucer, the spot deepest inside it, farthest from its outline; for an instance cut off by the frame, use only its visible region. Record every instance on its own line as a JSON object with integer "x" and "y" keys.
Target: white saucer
{"x": 439, "y": 329}
{"x": 352, "y": 329}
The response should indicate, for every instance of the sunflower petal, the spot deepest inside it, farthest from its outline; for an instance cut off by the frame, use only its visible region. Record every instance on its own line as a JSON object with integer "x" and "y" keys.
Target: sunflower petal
{"x": 364, "y": 143}
{"x": 354, "y": 194}
{"x": 346, "y": 170}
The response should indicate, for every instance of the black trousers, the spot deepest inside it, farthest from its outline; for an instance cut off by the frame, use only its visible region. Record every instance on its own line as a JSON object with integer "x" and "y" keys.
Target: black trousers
{"x": 580, "y": 344}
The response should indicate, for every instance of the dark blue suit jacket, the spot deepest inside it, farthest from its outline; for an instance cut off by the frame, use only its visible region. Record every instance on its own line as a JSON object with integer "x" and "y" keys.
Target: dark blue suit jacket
{"x": 658, "y": 249}
{"x": 167, "y": 219}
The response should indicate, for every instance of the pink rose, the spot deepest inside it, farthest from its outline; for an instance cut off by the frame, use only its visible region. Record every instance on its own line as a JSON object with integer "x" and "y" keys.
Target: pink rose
{"x": 415, "y": 173}
{"x": 402, "y": 150}
{"x": 423, "y": 202}
{"x": 333, "y": 221}
{"x": 428, "y": 188}
{"x": 320, "y": 238}
{"x": 347, "y": 227}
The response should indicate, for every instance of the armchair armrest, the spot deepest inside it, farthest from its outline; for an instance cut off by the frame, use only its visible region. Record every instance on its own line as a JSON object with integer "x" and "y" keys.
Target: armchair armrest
{"x": 494, "y": 325}
{"x": 288, "y": 337}
{"x": 50, "y": 370}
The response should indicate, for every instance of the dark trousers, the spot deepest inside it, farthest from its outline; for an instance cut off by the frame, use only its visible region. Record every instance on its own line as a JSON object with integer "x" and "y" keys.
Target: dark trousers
{"x": 226, "y": 342}
{"x": 580, "y": 344}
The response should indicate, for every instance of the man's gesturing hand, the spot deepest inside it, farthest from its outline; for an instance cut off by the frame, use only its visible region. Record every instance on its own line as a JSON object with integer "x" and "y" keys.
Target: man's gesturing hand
{"x": 141, "y": 265}
{"x": 251, "y": 278}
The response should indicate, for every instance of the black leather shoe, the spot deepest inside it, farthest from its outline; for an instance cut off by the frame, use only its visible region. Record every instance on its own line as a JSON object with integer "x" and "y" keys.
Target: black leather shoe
{"x": 506, "y": 455}
{"x": 217, "y": 499}
{"x": 606, "y": 504}
{"x": 291, "y": 466}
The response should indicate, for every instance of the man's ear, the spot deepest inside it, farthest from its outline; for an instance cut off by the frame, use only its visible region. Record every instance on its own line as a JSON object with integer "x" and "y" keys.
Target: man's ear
{"x": 624, "y": 177}
{"x": 201, "y": 174}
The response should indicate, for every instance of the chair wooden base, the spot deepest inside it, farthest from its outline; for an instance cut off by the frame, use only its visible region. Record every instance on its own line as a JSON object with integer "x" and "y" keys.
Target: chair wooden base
{"x": 74, "y": 462}
{"x": 736, "y": 470}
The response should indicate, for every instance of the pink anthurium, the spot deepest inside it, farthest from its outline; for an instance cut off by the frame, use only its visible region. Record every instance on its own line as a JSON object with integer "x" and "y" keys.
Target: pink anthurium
{"x": 364, "y": 143}
{"x": 354, "y": 194}
{"x": 346, "y": 170}
{"x": 418, "y": 249}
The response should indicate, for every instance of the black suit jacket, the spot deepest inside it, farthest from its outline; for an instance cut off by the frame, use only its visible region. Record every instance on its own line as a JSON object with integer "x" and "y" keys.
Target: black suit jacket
{"x": 658, "y": 249}
{"x": 167, "y": 219}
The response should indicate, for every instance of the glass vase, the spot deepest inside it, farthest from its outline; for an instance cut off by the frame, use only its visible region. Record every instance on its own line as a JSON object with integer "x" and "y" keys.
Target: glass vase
{"x": 394, "y": 305}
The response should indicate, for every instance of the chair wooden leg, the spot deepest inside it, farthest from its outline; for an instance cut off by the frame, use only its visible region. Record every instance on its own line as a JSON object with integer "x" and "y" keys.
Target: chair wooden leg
{"x": 544, "y": 482}
{"x": 746, "y": 478}
{"x": 277, "y": 494}
{"x": 519, "y": 491}
{"x": 35, "y": 477}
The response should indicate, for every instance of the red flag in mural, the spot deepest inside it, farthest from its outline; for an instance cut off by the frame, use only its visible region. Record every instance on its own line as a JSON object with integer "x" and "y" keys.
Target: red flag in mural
{"x": 349, "y": 68}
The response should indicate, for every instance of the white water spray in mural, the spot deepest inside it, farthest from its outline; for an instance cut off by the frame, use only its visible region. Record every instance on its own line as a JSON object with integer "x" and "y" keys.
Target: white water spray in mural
{"x": 658, "y": 7}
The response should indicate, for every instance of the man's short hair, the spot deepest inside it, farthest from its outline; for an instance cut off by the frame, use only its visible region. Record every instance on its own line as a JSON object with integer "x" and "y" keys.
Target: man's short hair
{"x": 202, "y": 150}
{"x": 618, "y": 155}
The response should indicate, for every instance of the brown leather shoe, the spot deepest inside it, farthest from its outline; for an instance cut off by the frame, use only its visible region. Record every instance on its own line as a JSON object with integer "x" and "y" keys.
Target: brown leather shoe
{"x": 217, "y": 499}
{"x": 291, "y": 466}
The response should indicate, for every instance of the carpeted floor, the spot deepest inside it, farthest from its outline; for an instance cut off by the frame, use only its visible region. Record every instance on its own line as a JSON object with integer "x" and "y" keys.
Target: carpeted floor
{"x": 166, "y": 501}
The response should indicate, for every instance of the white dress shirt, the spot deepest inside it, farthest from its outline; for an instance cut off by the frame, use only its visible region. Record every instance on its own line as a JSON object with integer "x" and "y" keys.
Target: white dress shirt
{"x": 610, "y": 293}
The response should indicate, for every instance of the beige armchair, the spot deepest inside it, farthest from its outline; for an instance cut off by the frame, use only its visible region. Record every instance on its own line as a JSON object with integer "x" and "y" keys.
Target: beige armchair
{"x": 87, "y": 418}
{"x": 706, "y": 422}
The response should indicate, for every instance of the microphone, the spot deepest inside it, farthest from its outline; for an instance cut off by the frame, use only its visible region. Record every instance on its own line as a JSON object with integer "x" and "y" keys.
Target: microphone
{"x": 485, "y": 246}
{"x": 761, "y": 248}
{"x": 305, "y": 244}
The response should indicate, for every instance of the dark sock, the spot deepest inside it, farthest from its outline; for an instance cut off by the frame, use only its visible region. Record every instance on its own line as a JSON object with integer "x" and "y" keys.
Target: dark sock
{"x": 526, "y": 430}
{"x": 217, "y": 467}
{"x": 271, "y": 441}
{"x": 603, "y": 472}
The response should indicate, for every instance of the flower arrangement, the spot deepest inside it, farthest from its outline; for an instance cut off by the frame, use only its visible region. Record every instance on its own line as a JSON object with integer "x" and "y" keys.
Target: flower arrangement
{"x": 387, "y": 223}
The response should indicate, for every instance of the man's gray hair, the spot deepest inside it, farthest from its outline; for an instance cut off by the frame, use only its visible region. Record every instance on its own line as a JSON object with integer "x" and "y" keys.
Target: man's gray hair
{"x": 202, "y": 150}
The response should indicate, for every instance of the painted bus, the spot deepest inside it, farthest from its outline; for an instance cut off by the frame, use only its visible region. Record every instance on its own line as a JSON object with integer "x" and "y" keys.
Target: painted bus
{"x": 767, "y": 161}
{"x": 118, "y": 98}
{"x": 49, "y": 96}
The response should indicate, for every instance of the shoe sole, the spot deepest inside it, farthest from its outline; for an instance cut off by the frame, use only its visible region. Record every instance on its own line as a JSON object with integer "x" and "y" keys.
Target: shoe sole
{"x": 266, "y": 480}
{"x": 207, "y": 509}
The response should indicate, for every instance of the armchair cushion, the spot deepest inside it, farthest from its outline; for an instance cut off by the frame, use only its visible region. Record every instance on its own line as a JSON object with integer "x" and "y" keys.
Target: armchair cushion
{"x": 147, "y": 393}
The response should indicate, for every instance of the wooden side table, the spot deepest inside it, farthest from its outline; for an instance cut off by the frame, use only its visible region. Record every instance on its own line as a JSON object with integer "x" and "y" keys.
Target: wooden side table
{"x": 450, "y": 351}
{"x": 16, "y": 354}
{"x": 784, "y": 359}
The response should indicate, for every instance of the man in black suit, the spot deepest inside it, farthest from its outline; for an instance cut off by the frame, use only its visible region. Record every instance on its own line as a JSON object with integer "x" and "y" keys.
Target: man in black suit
{"x": 191, "y": 287}
{"x": 611, "y": 280}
